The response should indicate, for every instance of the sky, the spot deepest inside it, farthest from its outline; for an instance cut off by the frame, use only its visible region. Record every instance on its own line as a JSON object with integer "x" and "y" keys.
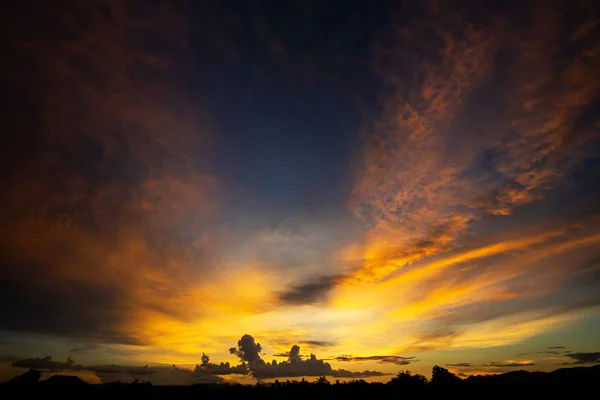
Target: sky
{"x": 242, "y": 191}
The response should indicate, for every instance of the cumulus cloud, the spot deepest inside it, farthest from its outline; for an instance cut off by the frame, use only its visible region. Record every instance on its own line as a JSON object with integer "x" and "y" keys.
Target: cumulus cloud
{"x": 312, "y": 366}
{"x": 249, "y": 351}
{"x": 206, "y": 371}
{"x": 223, "y": 368}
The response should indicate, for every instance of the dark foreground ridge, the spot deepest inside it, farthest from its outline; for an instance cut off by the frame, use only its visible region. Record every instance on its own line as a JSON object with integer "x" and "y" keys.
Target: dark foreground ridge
{"x": 570, "y": 382}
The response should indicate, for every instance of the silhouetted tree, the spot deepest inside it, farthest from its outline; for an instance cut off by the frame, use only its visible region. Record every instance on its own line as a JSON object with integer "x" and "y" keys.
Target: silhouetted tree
{"x": 442, "y": 377}
{"x": 406, "y": 379}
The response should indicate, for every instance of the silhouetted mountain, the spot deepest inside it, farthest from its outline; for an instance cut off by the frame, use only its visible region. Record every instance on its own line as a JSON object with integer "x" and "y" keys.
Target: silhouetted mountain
{"x": 29, "y": 378}
{"x": 66, "y": 381}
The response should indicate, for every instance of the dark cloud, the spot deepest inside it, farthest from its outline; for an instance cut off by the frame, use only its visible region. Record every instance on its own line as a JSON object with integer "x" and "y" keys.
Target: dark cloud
{"x": 555, "y": 347}
{"x": 158, "y": 375}
{"x": 206, "y": 372}
{"x": 585, "y": 358}
{"x": 318, "y": 343}
{"x": 45, "y": 364}
{"x": 249, "y": 352}
{"x": 460, "y": 365}
{"x": 251, "y": 364}
{"x": 223, "y": 368}
{"x": 509, "y": 365}
{"x": 102, "y": 190}
{"x": 310, "y": 292}
{"x": 84, "y": 310}
{"x": 312, "y": 366}
{"x": 398, "y": 360}
{"x": 84, "y": 349}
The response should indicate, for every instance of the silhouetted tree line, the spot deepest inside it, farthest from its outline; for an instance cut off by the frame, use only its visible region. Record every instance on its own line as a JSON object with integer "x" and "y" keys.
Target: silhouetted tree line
{"x": 516, "y": 384}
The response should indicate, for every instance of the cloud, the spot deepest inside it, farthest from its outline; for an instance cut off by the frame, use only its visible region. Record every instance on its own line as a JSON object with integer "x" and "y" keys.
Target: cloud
{"x": 397, "y": 360}
{"x": 45, "y": 364}
{"x": 585, "y": 358}
{"x": 206, "y": 372}
{"x": 84, "y": 349}
{"x": 318, "y": 343}
{"x": 107, "y": 220}
{"x": 310, "y": 292}
{"x": 249, "y": 351}
{"x": 460, "y": 365}
{"x": 466, "y": 187}
{"x": 555, "y": 347}
{"x": 158, "y": 375}
{"x": 223, "y": 368}
{"x": 510, "y": 364}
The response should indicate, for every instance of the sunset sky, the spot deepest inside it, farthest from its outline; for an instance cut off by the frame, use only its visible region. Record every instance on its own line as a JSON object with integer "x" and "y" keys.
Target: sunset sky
{"x": 387, "y": 185}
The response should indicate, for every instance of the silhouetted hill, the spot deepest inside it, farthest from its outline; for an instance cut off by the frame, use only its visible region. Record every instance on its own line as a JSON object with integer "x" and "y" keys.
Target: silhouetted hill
{"x": 516, "y": 384}
{"x": 66, "y": 381}
{"x": 29, "y": 378}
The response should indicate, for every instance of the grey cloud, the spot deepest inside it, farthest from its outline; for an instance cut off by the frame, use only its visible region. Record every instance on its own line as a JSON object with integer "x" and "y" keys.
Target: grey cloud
{"x": 45, "y": 364}
{"x": 223, "y": 368}
{"x": 310, "y": 292}
{"x": 585, "y": 358}
{"x": 398, "y": 360}
{"x": 248, "y": 350}
{"x": 460, "y": 365}
{"x": 85, "y": 310}
{"x": 84, "y": 349}
{"x": 312, "y": 366}
{"x": 158, "y": 375}
{"x": 318, "y": 343}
